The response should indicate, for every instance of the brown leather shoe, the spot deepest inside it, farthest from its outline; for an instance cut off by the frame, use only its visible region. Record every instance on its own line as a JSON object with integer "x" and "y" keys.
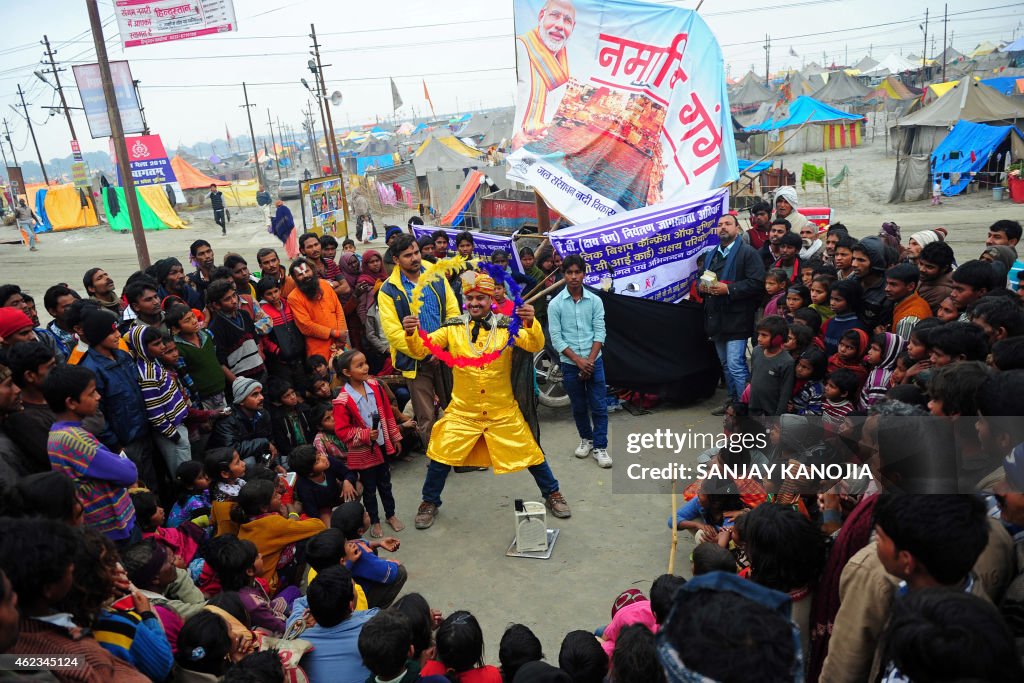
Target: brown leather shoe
{"x": 426, "y": 515}
{"x": 557, "y": 504}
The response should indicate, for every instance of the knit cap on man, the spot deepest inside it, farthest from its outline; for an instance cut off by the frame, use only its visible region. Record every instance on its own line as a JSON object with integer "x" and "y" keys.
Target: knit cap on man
{"x": 242, "y": 387}
{"x": 13, "y": 320}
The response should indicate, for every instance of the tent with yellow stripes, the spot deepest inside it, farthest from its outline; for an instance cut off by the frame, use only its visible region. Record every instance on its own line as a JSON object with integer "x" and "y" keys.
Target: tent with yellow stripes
{"x": 61, "y": 207}
{"x": 445, "y": 137}
{"x": 805, "y": 125}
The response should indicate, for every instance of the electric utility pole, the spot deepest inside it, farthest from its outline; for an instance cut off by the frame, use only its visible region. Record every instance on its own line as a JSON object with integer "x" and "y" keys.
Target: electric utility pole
{"x": 767, "y": 54}
{"x": 32, "y": 131}
{"x": 252, "y": 136}
{"x": 273, "y": 147}
{"x": 330, "y": 134}
{"x": 924, "y": 48}
{"x": 945, "y": 22}
{"x": 60, "y": 91}
{"x": 7, "y": 135}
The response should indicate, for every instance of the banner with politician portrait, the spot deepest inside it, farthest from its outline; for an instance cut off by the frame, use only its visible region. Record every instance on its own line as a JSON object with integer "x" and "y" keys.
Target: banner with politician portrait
{"x": 621, "y": 105}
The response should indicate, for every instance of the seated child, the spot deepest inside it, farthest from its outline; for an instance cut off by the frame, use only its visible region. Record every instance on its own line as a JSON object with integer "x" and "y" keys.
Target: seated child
{"x": 384, "y": 644}
{"x": 150, "y": 567}
{"x": 947, "y": 311}
{"x": 321, "y": 418}
{"x": 381, "y": 579}
{"x": 810, "y": 318}
{"x": 317, "y": 368}
{"x": 321, "y": 393}
{"x": 322, "y": 484}
{"x": 460, "y": 651}
{"x": 238, "y": 564}
{"x": 518, "y": 647}
{"x": 193, "y": 502}
{"x": 902, "y": 367}
{"x": 885, "y": 348}
{"x": 850, "y": 354}
{"x": 840, "y": 390}
{"x": 288, "y": 417}
{"x": 808, "y": 390}
{"x": 183, "y": 542}
{"x": 709, "y": 511}
{"x": 100, "y": 474}
{"x": 258, "y": 514}
{"x": 329, "y": 548}
{"x": 711, "y": 557}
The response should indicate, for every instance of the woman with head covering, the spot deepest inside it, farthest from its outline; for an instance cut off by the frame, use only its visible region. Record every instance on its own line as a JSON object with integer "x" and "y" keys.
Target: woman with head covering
{"x": 372, "y": 273}
{"x": 786, "y": 203}
{"x": 891, "y": 237}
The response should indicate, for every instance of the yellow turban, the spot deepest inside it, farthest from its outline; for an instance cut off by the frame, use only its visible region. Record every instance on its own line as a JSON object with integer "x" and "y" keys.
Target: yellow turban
{"x": 473, "y": 281}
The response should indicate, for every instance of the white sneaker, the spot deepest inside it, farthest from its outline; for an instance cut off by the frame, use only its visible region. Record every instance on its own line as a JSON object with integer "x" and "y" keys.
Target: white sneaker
{"x": 583, "y": 450}
{"x": 603, "y": 459}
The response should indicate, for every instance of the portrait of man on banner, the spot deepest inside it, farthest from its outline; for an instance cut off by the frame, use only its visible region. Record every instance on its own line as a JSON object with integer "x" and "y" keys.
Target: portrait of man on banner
{"x": 542, "y": 84}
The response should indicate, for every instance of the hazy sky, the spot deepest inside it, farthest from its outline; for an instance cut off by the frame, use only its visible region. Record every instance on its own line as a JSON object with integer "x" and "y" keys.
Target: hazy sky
{"x": 465, "y": 52}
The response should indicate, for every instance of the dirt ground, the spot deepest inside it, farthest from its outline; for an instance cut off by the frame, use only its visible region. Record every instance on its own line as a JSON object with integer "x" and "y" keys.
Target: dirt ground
{"x": 613, "y": 541}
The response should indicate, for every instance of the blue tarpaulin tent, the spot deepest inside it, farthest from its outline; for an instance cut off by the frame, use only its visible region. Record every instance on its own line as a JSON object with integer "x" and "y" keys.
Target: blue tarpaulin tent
{"x": 801, "y": 110}
{"x": 747, "y": 166}
{"x": 1007, "y": 85}
{"x": 967, "y": 149}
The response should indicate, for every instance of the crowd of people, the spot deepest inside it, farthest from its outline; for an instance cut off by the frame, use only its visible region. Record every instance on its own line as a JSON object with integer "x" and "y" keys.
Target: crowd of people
{"x": 196, "y": 473}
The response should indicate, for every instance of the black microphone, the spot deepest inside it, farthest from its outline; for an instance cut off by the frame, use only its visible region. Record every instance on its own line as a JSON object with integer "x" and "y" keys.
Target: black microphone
{"x": 376, "y": 420}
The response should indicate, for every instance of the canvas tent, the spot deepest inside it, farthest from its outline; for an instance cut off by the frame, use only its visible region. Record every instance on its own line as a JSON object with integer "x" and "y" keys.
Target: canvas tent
{"x": 1007, "y": 85}
{"x": 968, "y": 100}
{"x": 1015, "y": 46}
{"x": 893, "y": 88}
{"x": 970, "y": 148}
{"x": 893, "y": 64}
{"x": 156, "y": 211}
{"x": 749, "y": 95}
{"x": 434, "y": 155}
{"x": 865, "y": 64}
{"x": 827, "y": 128}
{"x": 191, "y": 178}
{"x": 842, "y": 88}
{"x": 61, "y": 207}
{"x": 445, "y": 137}
{"x": 984, "y": 48}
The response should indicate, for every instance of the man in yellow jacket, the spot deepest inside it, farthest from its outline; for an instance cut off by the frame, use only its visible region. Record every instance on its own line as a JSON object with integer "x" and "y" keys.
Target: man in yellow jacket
{"x": 483, "y": 425}
{"x": 426, "y": 375}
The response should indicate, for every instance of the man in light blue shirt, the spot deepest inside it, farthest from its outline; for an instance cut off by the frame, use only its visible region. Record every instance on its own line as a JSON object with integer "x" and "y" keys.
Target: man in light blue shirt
{"x": 576, "y": 327}
{"x": 335, "y": 656}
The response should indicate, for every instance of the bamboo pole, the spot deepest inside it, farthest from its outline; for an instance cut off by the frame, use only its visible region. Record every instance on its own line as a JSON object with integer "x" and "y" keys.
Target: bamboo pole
{"x": 544, "y": 291}
{"x": 675, "y": 532}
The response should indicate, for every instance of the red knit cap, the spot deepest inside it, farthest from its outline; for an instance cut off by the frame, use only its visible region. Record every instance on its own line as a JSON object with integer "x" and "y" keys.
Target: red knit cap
{"x": 13, "y": 320}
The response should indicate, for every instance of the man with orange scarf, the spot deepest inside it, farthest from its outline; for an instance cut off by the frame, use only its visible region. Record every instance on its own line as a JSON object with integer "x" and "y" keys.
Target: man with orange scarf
{"x": 544, "y": 48}
{"x": 483, "y": 425}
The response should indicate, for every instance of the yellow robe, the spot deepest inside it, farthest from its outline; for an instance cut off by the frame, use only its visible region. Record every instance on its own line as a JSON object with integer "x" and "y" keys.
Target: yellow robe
{"x": 483, "y": 426}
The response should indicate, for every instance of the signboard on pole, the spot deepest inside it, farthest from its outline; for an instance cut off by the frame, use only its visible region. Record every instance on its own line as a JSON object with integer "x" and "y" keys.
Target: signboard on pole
{"x": 80, "y": 174}
{"x": 146, "y": 22}
{"x": 621, "y": 105}
{"x": 326, "y": 203}
{"x": 148, "y": 161}
{"x": 76, "y": 150}
{"x": 90, "y": 89}
{"x": 17, "y": 180}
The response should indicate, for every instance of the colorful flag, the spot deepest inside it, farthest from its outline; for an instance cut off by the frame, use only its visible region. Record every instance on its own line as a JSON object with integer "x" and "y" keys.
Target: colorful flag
{"x": 396, "y": 99}
{"x": 426, "y": 96}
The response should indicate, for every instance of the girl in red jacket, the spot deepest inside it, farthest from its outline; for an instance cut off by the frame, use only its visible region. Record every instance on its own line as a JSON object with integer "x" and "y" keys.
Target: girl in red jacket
{"x": 364, "y": 422}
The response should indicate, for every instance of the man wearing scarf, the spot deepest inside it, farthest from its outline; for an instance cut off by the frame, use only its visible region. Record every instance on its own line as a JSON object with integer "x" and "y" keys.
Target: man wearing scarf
{"x": 812, "y": 249}
{"x": 483, "y": 425}
{"x": 543, "y": 48}
{"x": 730, "y": 303}
{"x": 786, "y": 204}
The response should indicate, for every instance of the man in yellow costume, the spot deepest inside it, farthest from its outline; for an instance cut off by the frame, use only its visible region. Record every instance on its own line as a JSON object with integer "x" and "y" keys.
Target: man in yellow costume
{"x": 483, "y": 425}
{"x": 542, "y": 85}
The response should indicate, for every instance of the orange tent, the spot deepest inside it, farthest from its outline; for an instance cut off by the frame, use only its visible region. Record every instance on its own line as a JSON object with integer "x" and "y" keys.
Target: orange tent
{"x": 453, "y": 216}
{"x": 190, "y": 178}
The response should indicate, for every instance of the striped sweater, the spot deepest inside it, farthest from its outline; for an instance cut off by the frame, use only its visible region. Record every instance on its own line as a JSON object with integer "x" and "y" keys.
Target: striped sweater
{"x": 37, "y": 637}
{"x": 140, "y": 641}
{"x": 166, "y": 407}
{"x": 101, "y": 475}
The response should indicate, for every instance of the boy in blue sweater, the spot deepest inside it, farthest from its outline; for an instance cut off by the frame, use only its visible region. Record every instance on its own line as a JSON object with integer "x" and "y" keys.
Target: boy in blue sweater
{"x": 381, "y": 579}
